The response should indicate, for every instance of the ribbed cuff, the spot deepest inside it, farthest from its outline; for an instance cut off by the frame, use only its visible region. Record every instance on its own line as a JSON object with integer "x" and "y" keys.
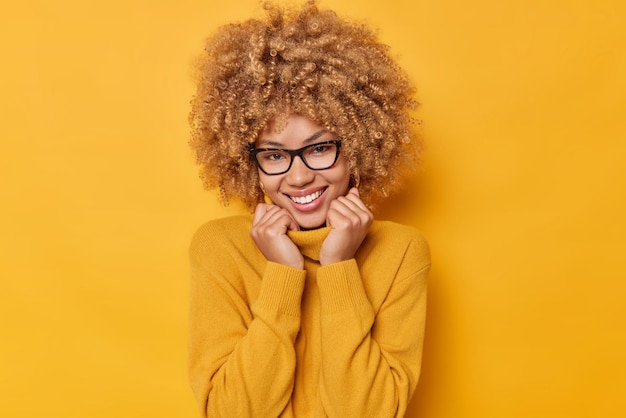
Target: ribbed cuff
{"x": 281, "y": 289}
{"x": 340, "y": 286}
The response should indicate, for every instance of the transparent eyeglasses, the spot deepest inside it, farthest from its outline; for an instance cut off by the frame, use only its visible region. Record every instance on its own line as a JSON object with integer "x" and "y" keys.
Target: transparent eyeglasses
{"x": 318, "y": 156}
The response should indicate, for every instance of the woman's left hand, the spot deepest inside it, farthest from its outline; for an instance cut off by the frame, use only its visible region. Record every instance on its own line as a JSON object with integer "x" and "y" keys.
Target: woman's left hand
{"x": 350, "y": 220}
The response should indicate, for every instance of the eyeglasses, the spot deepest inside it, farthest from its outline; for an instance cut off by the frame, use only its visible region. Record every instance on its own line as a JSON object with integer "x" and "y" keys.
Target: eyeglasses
{"x": 318, "y": 156}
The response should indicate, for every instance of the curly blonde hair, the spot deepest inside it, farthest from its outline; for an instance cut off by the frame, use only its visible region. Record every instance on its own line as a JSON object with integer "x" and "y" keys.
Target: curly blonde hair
{"x": 308, "y": 62}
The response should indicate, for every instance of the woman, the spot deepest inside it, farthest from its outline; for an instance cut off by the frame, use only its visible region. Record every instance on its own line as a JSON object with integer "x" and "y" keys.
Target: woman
{"x": 309, "y": 307}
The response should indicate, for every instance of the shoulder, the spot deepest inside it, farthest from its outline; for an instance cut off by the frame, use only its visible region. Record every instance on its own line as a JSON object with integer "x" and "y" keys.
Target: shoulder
{"x": 222, "y": 231}
{"x": 400, "y": 239}
{"x": 392, "y": 233}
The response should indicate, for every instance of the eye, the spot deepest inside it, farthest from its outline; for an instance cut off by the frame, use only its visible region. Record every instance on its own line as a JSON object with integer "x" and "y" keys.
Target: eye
{"x": 320, "y": 149}
{"x": 272, "y": 156}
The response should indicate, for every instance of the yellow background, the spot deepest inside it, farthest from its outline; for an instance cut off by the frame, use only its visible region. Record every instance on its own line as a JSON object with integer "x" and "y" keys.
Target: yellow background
{"x": 522, "y": 199}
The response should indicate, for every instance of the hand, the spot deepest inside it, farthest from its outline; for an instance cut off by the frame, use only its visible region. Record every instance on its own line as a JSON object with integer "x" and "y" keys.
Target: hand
{"x": 269, "y": 232}
{"x": 350, "y": 220}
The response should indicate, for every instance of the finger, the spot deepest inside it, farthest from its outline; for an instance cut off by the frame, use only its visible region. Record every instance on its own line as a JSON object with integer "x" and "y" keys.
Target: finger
{"x": 347, "y": 212}
{"x": 293, "y": 225}
{"x": 354, "y": 204}
{"x": 288, "y": 220}
{"x": 355, "y": 196}
{"x": 281, "y": 217}
{"x": 342, "y": 214}
{"x": 260, "y": 211}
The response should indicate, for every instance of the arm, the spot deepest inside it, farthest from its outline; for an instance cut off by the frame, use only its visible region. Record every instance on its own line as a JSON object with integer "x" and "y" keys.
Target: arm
{"x": 241, "y": 359}
{"x": 370, "y": 361}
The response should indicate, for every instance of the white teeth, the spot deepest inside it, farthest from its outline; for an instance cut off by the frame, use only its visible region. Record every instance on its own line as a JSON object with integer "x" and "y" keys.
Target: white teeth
{"x": 306, "y": 199}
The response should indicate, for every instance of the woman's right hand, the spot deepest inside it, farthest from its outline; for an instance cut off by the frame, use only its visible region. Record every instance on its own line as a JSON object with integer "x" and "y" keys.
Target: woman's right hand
{"x": 269, "y": 232}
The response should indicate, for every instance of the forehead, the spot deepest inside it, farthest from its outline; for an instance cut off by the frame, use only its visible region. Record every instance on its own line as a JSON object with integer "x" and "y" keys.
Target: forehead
{"x": 291, "y": 142}
{"x": 295, "y": 132}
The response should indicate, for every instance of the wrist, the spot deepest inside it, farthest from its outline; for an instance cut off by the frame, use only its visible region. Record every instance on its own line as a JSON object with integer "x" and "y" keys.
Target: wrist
{"x": 296, "y": 264}
{"x": 326, "y": 260}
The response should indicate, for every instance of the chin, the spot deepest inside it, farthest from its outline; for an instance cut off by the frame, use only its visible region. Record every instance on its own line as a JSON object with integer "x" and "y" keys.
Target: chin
{"x": 311, "y": 223}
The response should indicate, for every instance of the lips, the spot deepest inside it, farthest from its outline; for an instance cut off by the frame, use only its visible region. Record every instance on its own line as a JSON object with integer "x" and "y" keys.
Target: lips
{"x": 304, "y": 199}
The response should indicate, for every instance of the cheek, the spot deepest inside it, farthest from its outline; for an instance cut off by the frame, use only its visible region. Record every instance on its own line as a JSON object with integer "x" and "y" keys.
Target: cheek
{"x": 270, "y": 183}
{"x": 341, "y": 176}
{"x": 343, "y": 172}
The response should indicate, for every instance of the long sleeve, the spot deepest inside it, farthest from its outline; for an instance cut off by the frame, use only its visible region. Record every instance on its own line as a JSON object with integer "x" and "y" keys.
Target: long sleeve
{"x": 342, "y": 340}
{"x": 241, "y": 357}
{"x": 371, "y": 358}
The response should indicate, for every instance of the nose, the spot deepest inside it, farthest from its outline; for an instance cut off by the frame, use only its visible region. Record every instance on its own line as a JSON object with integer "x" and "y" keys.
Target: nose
{"x": 299, "y": 174}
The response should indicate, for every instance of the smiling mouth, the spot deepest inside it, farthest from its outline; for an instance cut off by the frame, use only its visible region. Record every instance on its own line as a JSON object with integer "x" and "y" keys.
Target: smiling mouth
{"x": 306, "y": 199}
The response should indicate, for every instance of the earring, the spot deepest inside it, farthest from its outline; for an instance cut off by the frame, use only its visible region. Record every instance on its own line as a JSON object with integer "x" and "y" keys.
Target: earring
{"x": 266, "y": 198}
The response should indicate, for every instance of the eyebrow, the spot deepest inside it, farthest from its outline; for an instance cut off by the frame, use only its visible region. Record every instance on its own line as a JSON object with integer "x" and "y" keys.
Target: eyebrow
{"x": 312, "y": 138}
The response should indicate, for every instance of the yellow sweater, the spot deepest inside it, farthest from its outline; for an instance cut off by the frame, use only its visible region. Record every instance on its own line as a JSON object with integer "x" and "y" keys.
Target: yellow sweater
{"x": 342, "y": 340}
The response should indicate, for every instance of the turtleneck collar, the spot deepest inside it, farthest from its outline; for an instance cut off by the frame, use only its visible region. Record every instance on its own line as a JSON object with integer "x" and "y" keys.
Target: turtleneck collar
{"x": 309, "y": 242}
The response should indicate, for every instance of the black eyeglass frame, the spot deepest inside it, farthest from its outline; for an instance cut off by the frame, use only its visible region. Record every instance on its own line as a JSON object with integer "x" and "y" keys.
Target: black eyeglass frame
{"x": 295, "y": 153}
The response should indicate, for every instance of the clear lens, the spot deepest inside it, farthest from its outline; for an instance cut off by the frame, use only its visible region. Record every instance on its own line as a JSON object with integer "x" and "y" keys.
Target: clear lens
{"x": 315, "y": 156}
{"x": 274, "y": 161}
{"x": 320, "y": 156}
